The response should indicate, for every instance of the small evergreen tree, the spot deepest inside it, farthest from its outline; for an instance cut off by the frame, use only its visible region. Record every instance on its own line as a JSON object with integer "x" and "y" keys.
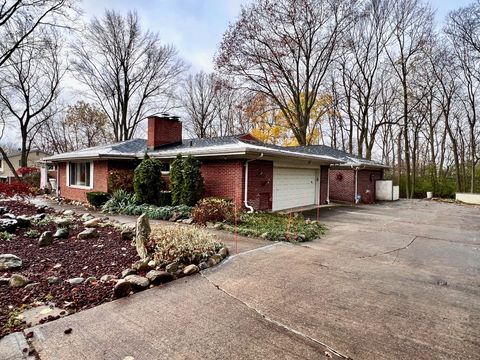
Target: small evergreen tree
{"x": 148, "y": 182}
{"x": 176, "y": 180}
{"x": 193, "y": 185}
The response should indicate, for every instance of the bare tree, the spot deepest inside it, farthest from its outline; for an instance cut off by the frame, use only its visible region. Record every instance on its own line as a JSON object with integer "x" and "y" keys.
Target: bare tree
{"x": 283, "y": 49}
{"x": 199, "y": 99}
{"x": 413, "y": 26}
{"x": 129, "y": 73}
{"x": 30, "y": 81}
{"x": 20, "y": 18}
{"x": 84, "y": 125}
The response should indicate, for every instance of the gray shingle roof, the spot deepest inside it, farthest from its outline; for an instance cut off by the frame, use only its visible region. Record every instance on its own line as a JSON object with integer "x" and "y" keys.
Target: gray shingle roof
{"x": 219, "y": 146}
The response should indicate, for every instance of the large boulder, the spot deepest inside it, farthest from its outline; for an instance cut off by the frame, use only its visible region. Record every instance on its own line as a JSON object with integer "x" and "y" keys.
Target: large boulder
{"x": 93, "y": 222}
{"x": 9, "y": 261}
{"x": 8, "y": 225}
{"x": 88, "y": 233}
{"x": 17, "y": 280}
{"x": 142, "y": 232}
{"x": 45, "y": 239}
{"x": 62, "y": 223}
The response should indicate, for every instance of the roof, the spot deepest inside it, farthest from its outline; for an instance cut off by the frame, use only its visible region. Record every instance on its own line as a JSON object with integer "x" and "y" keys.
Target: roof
{"x": 347, "y": 158}
{"x": 208, "y": 147}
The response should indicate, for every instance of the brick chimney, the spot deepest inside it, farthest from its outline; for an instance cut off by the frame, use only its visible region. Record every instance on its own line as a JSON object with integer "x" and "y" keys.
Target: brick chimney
{"x": 163, "y": 130}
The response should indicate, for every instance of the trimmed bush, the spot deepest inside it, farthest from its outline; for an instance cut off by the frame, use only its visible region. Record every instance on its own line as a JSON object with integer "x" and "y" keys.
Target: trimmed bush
{"x": 186, "y": 181}
{"x": 97, "y": 198}
{"x": 213, "y": 209}
{"x": 176, "y": 180}
{"x": 148, "y": 182}
{"x": 193, "y": 185}
{"x": 17, "y": 188}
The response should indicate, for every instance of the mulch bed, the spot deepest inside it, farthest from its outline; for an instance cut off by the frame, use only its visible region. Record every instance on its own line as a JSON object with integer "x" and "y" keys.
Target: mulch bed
{"x": 107, "y": 254}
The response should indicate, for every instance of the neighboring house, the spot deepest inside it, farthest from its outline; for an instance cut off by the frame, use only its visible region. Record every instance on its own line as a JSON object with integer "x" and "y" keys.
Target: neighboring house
{"x": 353, "y": 181}
{"x": 254, "y": 175}
{"x": 34, "y": 158}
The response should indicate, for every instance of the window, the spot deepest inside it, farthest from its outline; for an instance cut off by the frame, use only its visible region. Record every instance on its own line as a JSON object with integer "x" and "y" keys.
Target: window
{"x": 80, "y": 174}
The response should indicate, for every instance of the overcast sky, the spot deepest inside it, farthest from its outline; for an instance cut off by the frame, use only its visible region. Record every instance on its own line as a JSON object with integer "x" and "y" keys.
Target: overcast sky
{"x": 195, "y": 27}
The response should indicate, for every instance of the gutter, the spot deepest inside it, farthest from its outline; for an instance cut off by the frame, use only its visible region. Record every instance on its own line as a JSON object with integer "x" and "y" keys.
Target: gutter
{"x": 245, "y": 199}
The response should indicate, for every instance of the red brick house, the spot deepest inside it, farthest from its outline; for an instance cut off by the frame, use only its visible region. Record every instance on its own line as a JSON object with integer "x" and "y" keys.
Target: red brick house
{"x": 254, "y": 175}
{"x": 353, "y": 180}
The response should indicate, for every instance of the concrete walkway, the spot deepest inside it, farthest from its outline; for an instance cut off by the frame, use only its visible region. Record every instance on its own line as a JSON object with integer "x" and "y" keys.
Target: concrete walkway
{"x": 391, "y": 281}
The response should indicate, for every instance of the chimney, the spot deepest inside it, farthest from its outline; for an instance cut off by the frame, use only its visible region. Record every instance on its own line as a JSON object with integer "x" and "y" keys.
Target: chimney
{"x": 163, "y": 130}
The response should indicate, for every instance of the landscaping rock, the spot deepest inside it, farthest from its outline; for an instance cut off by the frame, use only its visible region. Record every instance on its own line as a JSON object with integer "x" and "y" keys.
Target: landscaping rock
{"x": 127, "y": 234}
{"x": 152, "y": 264}
{"x": 23, "y": 221}
{"x": 188, "y": 221}
{"x": 141, "y": 265}
{"x": 138, "y": 282}
{"x": 3, "y": 210}
{"x": 93, "y": 222}
{"x": 8, "y": 225}
{"x": 122, "y": 288}
{"x": 90, "y": 279}
{"x": 88, "y": 233}
{"x": 45, "y": 239}
{"x": 69, "y": 213}
{"x": 86, "y": 217}
{"x": 127, "y": 272}
{"x": 63, "y": 223}
{"x": 39, "y": 216}
{"x": 175, "y": 216}
{"x": 159, "y": 277}
{"x": 107, "y": 278}
{"x": 218, "y": 226}
{"x": 76, "y": 281}
{"x": 54, "y": 280}
{"x": 173, "y": 267}
{"x": 142, "y": 232}
{"x": 61, "y": 233}
{"x": 9, "y": 216}
{"x": 214, "y": 260}
{"x": 31, "y": 285}
{"x": 190, "y": 269}
{"x": 4, "y": 280}
{"x": 223, "y": 252}
{"x": 202, "y": 266}
{"x": 9, "y": 262}
{"x": 17, "y": 280}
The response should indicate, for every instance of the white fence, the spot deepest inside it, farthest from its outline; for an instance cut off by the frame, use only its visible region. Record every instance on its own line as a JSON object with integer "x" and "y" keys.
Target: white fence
{"x": 386, "y": 191}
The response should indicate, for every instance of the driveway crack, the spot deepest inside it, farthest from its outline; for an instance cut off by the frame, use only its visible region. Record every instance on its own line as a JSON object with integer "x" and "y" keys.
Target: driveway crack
{"x": 275, "y": 322}
{"x": 390, "y": 251}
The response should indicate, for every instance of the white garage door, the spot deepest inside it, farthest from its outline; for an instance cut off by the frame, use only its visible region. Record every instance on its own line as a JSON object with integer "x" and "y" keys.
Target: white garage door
{"x": 293, "y": 187}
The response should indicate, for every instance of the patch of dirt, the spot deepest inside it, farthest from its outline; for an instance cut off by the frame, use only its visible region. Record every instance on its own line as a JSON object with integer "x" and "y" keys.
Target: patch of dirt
{"x": 107, "y": 254}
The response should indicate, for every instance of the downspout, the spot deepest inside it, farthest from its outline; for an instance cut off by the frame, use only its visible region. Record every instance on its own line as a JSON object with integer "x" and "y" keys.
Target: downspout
{"x": 57, "y": 165}
{"x": 357, "y": 200}
{"x": 245, "y": 200}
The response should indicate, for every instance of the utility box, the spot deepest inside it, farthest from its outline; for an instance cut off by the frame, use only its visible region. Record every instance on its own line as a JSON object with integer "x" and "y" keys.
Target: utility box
{"x": 386, "y": 191}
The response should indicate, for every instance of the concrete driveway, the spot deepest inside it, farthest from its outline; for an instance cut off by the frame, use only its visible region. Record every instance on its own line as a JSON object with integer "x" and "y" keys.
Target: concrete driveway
{"x": 391, "y": 281}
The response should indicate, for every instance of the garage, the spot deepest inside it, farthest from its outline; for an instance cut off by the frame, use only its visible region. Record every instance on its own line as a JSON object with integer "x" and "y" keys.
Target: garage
{"x": 294, "y": 187}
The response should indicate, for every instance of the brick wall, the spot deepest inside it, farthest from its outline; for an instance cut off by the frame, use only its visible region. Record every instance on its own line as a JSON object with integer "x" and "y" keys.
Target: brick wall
{"x": 162, "y": 131}
{"x": 260, "y": 184}
{"x": 100, "y": 179}
{"x": 224, "y": 178}
{"x": 344, "y": 190}
{"x": 342, "y": 185}
{"x": 323, "y": 184}
{"x": 366, "y": 184}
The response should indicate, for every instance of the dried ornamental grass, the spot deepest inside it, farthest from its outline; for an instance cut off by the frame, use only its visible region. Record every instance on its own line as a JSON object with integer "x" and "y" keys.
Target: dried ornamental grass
{"x": 188, "y": 245}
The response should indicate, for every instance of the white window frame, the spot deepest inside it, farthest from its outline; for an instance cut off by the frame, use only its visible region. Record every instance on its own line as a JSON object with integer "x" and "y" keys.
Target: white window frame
{"x": 80, "y": 186}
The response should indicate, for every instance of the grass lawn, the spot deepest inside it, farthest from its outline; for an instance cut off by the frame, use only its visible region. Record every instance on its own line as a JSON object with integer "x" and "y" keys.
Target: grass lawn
{"x": 277, "y": 227}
